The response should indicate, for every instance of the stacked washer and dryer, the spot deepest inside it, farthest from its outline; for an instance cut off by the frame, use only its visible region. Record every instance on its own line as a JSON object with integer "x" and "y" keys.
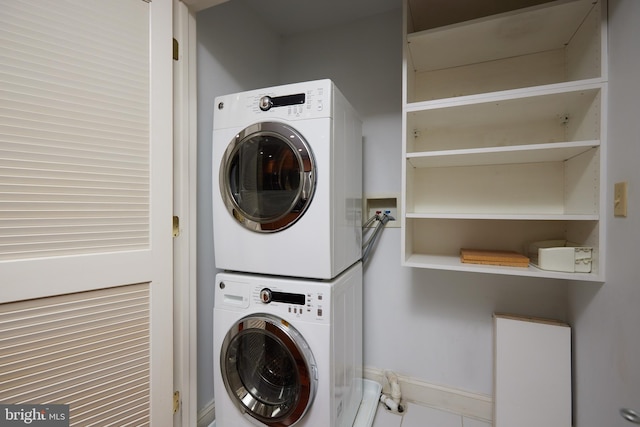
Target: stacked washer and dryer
{"x": 287, "y": 215}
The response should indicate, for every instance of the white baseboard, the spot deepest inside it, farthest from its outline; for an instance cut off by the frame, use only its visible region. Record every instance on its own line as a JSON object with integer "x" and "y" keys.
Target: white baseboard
{"x": 207, "y": 414}
{"x": 472, "y": 405}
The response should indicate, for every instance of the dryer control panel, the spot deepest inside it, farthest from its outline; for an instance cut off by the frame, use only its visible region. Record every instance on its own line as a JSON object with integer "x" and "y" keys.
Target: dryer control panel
{"x": 296, "y": 101}
{"x": 290, "y": 105}
{"x": 311, "y": 305}
{"x": 268, "y": 102}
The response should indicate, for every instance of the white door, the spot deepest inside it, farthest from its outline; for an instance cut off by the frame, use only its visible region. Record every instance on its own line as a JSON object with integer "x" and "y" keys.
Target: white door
{"x": 86, "y": 208}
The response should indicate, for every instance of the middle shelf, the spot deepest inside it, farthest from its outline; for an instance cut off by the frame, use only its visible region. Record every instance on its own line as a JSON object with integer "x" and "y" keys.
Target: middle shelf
{"x": 554, "y": 188}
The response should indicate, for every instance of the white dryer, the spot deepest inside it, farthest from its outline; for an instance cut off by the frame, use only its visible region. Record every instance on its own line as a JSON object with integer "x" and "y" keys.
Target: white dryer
{"x": 287, "y": 181}
{"x": 287, "y": 351}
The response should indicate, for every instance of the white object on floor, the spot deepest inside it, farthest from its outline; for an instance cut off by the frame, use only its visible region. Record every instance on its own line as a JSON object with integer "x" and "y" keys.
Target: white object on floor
{"x": 369, "y": 404}
{"x": 532, "y": 372}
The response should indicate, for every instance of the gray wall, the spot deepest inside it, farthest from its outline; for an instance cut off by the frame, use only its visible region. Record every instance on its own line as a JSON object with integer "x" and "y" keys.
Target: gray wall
{"x": 434, "y": 326}
{"x": 606, "y": 319}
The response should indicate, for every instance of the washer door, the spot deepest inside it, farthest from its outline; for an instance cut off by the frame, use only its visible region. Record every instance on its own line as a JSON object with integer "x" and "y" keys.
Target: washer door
{"x": 267, "y": 177}
{"x": 268, "y": 370}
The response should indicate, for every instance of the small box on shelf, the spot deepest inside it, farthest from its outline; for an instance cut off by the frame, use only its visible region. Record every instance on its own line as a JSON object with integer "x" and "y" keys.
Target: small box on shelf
{"x": 560, "y": 255}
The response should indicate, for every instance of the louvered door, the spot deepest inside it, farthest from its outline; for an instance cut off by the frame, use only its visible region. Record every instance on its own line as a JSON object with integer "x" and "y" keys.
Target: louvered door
{"x": 86, "y": 208}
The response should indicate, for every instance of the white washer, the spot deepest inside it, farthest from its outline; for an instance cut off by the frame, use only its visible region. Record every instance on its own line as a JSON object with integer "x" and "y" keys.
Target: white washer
{"x": 287, "y": 351}
{"x": 287, "y": 181}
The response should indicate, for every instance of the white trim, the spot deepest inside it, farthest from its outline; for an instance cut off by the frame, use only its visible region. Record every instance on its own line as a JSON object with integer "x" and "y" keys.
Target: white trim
{"x": 198, "y": 5}
{"x": 185, "y": 168}
{"x": 161, "y": 126}
{"x": 207, "y": 415}
{"x": 467, "y": 404}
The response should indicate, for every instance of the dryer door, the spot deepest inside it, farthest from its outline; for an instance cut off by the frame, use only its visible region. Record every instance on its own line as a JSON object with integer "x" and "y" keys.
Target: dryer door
{"x": 267, "y": 177}
{"x": 268, "y": 370}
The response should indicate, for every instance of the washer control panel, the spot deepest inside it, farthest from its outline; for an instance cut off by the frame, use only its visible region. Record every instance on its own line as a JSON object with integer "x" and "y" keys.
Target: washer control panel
{"x": 311, "y": 304}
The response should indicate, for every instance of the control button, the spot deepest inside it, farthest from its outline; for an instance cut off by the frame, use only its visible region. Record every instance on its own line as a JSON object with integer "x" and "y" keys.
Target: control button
{"x": 265, "y": 296}
{"x": 289, "y": 309}
{"x": 319, "y": 312}
{"x": 265, "y": 103}
{"x": 319, "y": 297}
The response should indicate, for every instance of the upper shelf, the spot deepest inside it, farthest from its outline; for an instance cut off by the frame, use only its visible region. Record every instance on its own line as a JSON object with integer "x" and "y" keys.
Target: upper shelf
{"x": 538, "y": 28}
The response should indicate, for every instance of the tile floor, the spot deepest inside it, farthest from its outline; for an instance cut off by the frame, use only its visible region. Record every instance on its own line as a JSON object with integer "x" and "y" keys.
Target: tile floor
{"x": 424, "y": 416}
{"x": 421, "y": 416}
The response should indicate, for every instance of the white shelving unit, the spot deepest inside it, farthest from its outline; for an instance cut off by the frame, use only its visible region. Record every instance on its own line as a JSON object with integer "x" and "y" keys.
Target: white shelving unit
{"x": 504, "y": 123}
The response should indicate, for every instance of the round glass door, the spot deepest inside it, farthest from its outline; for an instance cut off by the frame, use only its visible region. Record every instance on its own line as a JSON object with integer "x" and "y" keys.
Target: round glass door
{"x": 268, "y": 370}
{"x": 267, "y": 177}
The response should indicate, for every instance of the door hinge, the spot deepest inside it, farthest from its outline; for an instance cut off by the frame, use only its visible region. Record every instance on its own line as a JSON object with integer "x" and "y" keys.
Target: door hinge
{"x": 176, "y": 401}
{"x": 176, "y": 226}
{"x": 176, "y": 49}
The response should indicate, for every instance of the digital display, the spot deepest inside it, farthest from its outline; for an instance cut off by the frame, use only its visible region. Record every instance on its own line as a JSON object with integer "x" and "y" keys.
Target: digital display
{"x": 283, "y": 101}
{"x": 288, "y": 298}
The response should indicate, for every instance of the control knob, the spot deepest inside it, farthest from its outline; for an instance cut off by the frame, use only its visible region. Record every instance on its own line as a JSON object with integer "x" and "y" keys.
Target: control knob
{"x": 266, "y": 103}
{"x": 265, "y": 295}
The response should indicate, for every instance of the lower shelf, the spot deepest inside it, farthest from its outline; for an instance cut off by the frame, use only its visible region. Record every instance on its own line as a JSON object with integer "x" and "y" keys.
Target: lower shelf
{"x": 445, "y": 262}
